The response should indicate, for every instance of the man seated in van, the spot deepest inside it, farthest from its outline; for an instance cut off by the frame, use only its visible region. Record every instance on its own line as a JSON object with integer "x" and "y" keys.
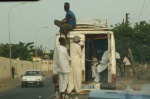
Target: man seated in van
{"x": 102, "y": 66}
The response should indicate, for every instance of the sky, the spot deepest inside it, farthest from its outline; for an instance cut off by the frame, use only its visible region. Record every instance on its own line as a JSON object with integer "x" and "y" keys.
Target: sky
{"x": 27, "y": 21}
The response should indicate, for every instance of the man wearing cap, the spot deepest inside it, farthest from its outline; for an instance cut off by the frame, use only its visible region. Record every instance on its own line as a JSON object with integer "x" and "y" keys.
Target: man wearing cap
{"x": 69, "y": 23}
{"x": 75, "y": 76}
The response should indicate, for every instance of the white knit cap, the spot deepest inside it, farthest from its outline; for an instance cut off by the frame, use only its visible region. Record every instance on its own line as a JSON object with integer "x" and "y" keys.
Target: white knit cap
{"x": 94, "y": 60}
{"x": 76, "y": 38}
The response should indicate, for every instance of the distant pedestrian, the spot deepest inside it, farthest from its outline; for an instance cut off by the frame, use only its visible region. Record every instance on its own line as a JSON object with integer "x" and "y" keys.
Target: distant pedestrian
{"x": 13, "y": 72}
{"x": 130, "y": 57}
{"x": 127, "y": 64}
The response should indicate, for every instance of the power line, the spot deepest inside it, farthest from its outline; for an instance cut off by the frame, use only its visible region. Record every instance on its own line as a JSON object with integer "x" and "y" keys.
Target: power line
{"x": 147, "y": 5}
{"x": 140, "y": 12}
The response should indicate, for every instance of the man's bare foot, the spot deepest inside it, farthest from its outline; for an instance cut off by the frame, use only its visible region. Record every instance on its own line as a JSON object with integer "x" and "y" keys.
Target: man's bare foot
{"x": 58, "y": 24}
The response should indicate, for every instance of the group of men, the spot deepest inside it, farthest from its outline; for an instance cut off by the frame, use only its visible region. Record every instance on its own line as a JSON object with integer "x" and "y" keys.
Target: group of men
{"x": 67, "y": 67}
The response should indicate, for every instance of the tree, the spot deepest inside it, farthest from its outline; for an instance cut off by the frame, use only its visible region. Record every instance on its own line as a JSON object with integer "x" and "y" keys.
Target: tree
{"x": 4, "y": 50}
{"x": 22, "y": 50}
{"x": 123, "y": 38}
{"x": 51, "y": 54}
{"x": 136, "y": 38}
{"x": 142, "y": 41}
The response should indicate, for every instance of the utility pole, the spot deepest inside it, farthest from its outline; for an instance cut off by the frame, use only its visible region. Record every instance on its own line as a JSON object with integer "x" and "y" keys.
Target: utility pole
{"x": 123, "y": 22}
{"x": 127, "y": 19}
{"x": 10, "y": 44}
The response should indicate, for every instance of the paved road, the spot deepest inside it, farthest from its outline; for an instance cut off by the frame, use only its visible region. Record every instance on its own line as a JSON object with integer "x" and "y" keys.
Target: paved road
{"x": 6, "y": 82}
{"x": 31, "y": 92}
{"x": 11, "y": 89}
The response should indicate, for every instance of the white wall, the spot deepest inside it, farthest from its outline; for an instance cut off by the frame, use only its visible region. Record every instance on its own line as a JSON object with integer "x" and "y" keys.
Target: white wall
{"x": 46, "y": 65}
{"x": 19, "y": 65}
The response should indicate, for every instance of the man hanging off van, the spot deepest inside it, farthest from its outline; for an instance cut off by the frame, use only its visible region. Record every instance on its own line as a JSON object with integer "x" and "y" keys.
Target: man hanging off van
{"x": 75, "y": 76}
{"x": 67, "y": 24}
{"x": 62, "y": 67}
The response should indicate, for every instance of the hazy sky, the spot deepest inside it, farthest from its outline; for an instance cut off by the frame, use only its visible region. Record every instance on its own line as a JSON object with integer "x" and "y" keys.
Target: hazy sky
{"x": 27, "y": 20}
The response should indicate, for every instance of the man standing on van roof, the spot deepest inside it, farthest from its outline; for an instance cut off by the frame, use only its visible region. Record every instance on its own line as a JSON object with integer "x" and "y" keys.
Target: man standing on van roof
{"x": 62, "y": 65}
{"x": 69, "y": 23}
{"x": 75, "y": 76}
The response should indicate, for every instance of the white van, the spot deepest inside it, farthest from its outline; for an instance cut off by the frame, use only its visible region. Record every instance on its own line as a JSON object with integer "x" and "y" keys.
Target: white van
{"x": 97, "y": 31}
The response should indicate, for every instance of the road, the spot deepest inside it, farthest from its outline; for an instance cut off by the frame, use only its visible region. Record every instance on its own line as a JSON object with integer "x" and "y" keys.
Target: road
{"x": 47, "y": 92}
{"x": 34, "y": 92}
{"x": 31, "y": 92}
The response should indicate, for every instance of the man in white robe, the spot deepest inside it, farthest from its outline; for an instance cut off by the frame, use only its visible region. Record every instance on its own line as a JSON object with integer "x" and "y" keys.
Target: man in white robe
{"x": 95, "y": 74}
{"x": 62, "y": 65}
{"x": 75, "y": 76}
{"x": 102, "y": 65}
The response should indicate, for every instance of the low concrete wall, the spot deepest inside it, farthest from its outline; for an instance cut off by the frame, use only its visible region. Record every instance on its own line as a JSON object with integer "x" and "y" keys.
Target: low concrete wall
{"x": 19, "y": 65}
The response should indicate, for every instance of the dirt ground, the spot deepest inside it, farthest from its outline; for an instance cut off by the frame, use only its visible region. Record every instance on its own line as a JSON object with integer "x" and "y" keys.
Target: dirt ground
{"x": 136, "y": 81}
{"x": 122, "y": 83}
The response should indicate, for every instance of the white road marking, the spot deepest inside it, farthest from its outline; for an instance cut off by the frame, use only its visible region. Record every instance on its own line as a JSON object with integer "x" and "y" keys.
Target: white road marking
{"x": 50, "y": 96}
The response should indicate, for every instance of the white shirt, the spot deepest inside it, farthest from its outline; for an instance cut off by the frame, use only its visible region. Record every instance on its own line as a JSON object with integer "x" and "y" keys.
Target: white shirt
{"x": 75, "y": 52}
{"x": 62, "y": 59}
{"x": 126, "y": 61}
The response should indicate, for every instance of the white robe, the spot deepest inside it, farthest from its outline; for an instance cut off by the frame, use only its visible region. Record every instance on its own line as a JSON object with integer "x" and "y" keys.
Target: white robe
{"x": 102, "y": 66}
{"x": 62, "y": 58}
{"x": 95, "y": 74}
{"x": 62, "y": 67}
{"x": 126, "y": 61}
{"x": 75, "y": 76}
{"x": 103, "y": 63}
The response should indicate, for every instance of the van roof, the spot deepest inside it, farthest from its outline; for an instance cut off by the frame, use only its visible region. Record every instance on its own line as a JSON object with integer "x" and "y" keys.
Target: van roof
{"x": 91, "y": 25}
